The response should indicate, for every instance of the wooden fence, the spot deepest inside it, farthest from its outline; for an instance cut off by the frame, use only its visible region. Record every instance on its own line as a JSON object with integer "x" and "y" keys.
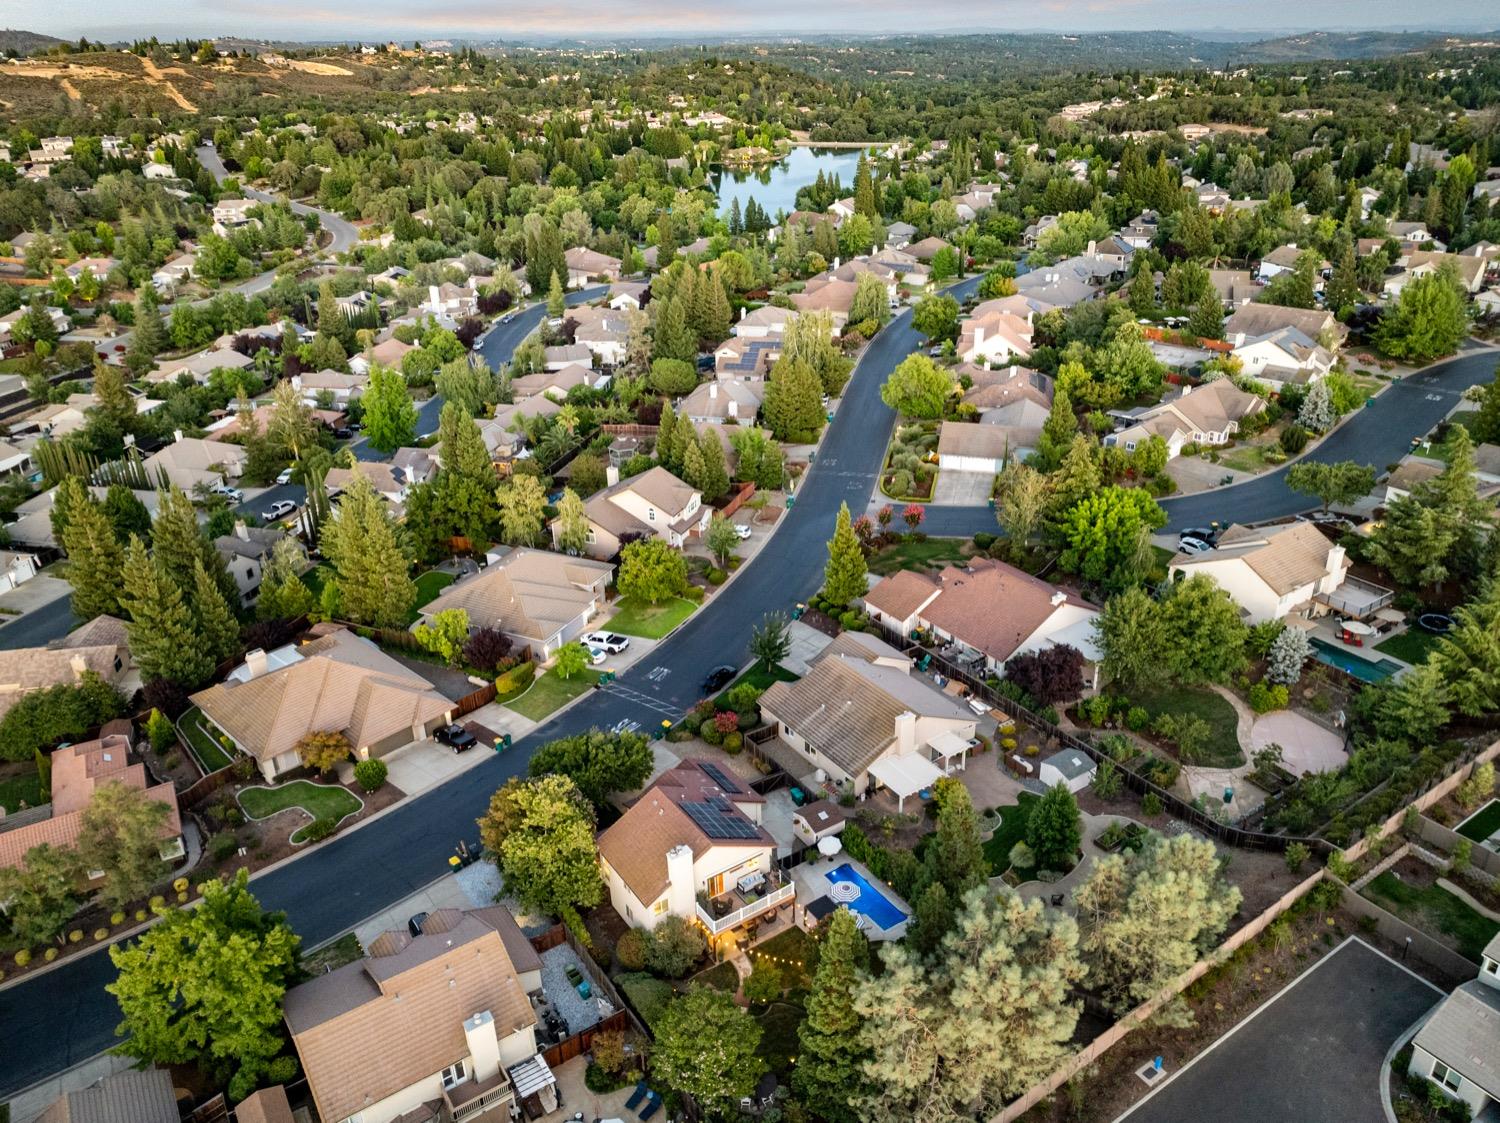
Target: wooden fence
{"x": 743, "y": 494}
{"x": 581, "y": 1043}
{"x": 1435, "y": 793}
{"x": 203, "y": 789}
{"x": 471, "y": 702}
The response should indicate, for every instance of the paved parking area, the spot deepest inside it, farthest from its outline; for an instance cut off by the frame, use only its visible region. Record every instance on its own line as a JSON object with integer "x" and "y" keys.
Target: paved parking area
{"x": 1312, "y": 1054}
{"x": 962, "y": 489}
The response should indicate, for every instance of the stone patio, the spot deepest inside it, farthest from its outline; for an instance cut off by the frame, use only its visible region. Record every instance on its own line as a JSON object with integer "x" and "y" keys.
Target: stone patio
{"x": 1306, "y": 746}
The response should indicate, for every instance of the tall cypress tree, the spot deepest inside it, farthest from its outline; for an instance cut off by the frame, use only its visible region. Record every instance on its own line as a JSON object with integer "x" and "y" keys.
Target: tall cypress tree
{"x": 370, "y": 567}
{"x": 844, "y": 576}
{"x": 217, "y": 628}
{"x": 163, "y": 640}
{"x": 830, "y": 1068}
{"x": 95, "y": 560}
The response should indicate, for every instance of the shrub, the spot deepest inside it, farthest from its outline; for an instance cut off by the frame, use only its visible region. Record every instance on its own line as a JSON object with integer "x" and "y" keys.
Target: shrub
{"x": 49, "y": 955}
{"x": 370, "y": 774}
{"x": 1137, "y": 718}
{"x": 22, "y": 957}
{"x": 1151, "y": 805}
{"x": 1296, "y": 854}
{"x": 710, "y": 733}
{"x": 116, "y": 919}
{"x": 716, "y": 576}
{"x": 733, "y": 742}
{"x": 675, "y": 946}
{"x": 631, "y": 949}
{"x": 101, "y": 934}
{"x": 765, "y": 983}
{"x": 140, "y": 915}
{"x": 486, "y": 648}
{"x": 319, "y": 829}
{"x": 160, "y": 732}
{"x": 1264, "y": 699}
{"x": 221, "y": 847}
{"x": 1293, "y": 439}
{"x": 516, "y": 679}
{"x": 1478, "y": 787}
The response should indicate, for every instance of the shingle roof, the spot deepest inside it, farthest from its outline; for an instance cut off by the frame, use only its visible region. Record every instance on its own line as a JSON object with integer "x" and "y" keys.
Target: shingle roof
{"x": 124, "y": 1097}
{"x": 530, "y": 593}
{"x": 1464, "y": 1033}
{"x": 25, "y": 669}
{"x": 1286, "y": 558}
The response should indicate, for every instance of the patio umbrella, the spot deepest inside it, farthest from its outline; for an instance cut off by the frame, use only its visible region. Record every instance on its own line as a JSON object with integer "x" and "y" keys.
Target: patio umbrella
{"x": 844, "y": 892}
{"x": 829, "y": 845}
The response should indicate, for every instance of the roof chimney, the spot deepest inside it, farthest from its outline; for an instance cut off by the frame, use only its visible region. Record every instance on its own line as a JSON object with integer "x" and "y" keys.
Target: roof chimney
{"x": 256, "y": 662}
{"x": 176, "y": 434}
{"x": 1058, "y": 598}
{"x": 241, "y": 531}
{"x": 611, "y": 475}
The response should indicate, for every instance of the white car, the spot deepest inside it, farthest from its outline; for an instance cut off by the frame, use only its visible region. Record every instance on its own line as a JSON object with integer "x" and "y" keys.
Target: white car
{"x": 611, "y": 642}
{"x": 742, "y": 531}
{"x": 278, "y": 510}
{"x": 285, "y": 477}
{"x": 1193, "y": 546}
{"x": 233, "y": 494}
{"x": 596, "y": 656}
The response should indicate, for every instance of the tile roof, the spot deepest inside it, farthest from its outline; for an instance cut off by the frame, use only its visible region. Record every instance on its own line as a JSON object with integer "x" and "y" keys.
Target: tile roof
{"x": 529, "y": 593}
{"x": 961, "y": 438}
{"x": 1286, "y": 557}
{"x": 26, "y": 669}
{"x": 372, "y": 1028}
{"x": 339, "y": 682}
{"x": 1254, "y": 320}
{"x": 269, "y": 1105}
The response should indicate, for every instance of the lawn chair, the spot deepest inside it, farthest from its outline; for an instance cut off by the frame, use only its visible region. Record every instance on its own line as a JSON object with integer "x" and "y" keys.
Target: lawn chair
{"x": 652, "y": 1106}
{"x": 637, "y": 1096}
{"x": 924, "y": 662}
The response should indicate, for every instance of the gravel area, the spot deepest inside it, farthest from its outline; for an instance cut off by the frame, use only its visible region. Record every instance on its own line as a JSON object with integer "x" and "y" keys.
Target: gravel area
{"x": 580, "y": 1013}
{"x": 483, "y": 885}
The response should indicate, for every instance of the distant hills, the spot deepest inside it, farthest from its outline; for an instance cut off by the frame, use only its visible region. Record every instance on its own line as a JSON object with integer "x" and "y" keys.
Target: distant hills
{"x": 25, "y": 42}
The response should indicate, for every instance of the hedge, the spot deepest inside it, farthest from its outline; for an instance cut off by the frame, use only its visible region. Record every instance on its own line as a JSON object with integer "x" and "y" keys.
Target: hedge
{"x": 515, "y": 680}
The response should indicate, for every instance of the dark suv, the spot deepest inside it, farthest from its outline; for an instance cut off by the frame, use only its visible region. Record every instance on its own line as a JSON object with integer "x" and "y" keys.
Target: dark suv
{"x": 456, "y": 737}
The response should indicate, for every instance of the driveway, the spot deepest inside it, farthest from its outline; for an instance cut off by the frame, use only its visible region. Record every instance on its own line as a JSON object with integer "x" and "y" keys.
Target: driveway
{"x": 963, "y": 489}
{"x": 1313, "y": 1054}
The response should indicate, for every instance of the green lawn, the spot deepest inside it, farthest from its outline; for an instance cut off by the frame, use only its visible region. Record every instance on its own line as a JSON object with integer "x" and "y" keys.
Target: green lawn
{"x": 550, "y": 690}
{"x": 194, "y": 728}
{"x": 648, "y": 995}
{"x": 25, "y": 788}
{"x": 758, "y": 676}
{"x": 649, "y": 621}
{"x": 1248, "y": 457}
{"x": 721, "y": 976}
{"x": 931, "y": 554}
{"x": 793, "y": 950}
{"x": 1430, "y": 908}
{"x": 778, "y": 1039}
{"x": 1012, "y": 829}
{"x": 1223, "y": 748}
{"x": 429, "y": 585}
{"x": 1483, "y": 823}
{"x": 1411, "y": 646}
{"x": 321, "y": 801}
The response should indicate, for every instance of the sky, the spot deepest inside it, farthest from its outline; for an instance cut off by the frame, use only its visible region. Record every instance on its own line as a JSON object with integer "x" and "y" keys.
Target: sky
{"x": 426, "y": 19}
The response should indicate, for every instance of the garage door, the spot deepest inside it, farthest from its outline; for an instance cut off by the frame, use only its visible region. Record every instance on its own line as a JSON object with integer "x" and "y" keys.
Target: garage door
{"x": 953, "y": 463}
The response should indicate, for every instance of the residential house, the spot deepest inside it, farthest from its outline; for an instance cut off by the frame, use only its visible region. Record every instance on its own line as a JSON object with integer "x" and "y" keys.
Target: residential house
{"x": 54, "y": 149}
{"x": 1411, "y": 472}
{"x": 190, "y": 461}
{"x": 77, "y": 772}
{"x": 231, "y": 214}
{"x": 823, "y": 294}
{"x": 556, "y": 383}
{"x": 1283, "y": 259}
{"x": 14, "y": 461}
{"x": 651, "y": 505}
{"x": 1140, "y": 231}
{"x": 1410, "y": 234}
{"x": 1284, "y": 356}
{"x": 97, "y": 267}
{"x": 415, "y": 466}
{"x": 1282, "y": 572}
{"x": 335, "y": 683}
{"x": 841, "y": 209}
{"x": 338, "y": 387}
{"x": 387, "y": 353}
{"x": 1035, "y": 230}
{"x": 743, "y": 358}
{"x": 628, "y": 296}
{"x": 898, "y": 235}
{"x": 245, "y": 551}
{"x": 384, "y": 479}
{"x": 767, "y": 321}
{"x": 1236, "y": 287}
{"x": 500, "y": 433}
{"x": 928, "y": 248}
{"x": 539, "y": 599}
{"x": 603, "y": 332}
{"x": 1458, "y": 1046}
{"x": 1050, "y": 287}
{"x": 1013, "y": 398}
{"x": 33, "y": 525}
{"x": 1211, "y": 197}
{"x": 128, "y": 1096}
{"x": 1206, "y": 415}
{"x": 724, "y": 400}
{"x": 62, "y": 418}
{"x": 16, "y": 567}
{"x": 585, "y": 264}
{"x": 1467, "y": 270}
{"x": 863, "y": 718}
{"x": 173, "y": 272}
{"x": 693, "y": 846}
{"x": 423, "y": 1028}
{"x": 199, "y": 367}
{"x": 966, "y": 447}
{"x": 8, "y": 321}
{"x": 450, "y": 303}
{"x": 995, "y": 338}
{"x": 566, "y": 355}
{"x": 100, "y": 646}
{"x": 990, "y": 610}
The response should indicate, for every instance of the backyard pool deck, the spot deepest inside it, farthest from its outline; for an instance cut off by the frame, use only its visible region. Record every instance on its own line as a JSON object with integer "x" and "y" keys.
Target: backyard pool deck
{"x": 813, "y": 882}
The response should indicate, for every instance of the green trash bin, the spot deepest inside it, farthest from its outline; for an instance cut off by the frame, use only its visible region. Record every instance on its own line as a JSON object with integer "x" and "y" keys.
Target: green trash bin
{"x": 502, "y": 742}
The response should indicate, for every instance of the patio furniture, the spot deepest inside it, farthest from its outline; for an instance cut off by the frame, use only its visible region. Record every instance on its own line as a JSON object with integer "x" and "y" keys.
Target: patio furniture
{"x": 799, "y": 797}
{"x": 651, "y": 1108}
{"x": 750, "y": 882}
{"x": 637, "y": 1096}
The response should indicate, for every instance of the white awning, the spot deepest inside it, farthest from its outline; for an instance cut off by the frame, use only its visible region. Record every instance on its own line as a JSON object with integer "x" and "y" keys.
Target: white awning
{"x": 531, "y": 1076}
{"x": 905, "y": 775}
{"x": 948, "y": 744}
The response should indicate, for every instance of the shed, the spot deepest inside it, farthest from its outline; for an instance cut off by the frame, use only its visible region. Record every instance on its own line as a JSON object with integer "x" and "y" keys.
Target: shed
{"x": 818, "y": 820}
{"x": 1069, "y": 767}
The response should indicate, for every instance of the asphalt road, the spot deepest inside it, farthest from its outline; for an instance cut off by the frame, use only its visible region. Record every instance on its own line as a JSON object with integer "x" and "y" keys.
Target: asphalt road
{"x": 1380, "y": 434}
{"x": 1312, "y": 1054}
{"x": 40, "y": 626}
{"x": 296, "y": 493}
{"x": 341, "y": 231}
{"x": 65, "y": 1015}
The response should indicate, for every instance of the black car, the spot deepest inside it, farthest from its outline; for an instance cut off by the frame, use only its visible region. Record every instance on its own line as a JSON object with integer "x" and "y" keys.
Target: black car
{"x": 456, "y": 737}
{"x": 718, "y": 678}
{"x": 343, "y": 433}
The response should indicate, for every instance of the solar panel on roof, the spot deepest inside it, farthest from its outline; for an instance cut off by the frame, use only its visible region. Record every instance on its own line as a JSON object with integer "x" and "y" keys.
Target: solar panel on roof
{"x": 718, "y": 820}
{"x": 717, "y": 775}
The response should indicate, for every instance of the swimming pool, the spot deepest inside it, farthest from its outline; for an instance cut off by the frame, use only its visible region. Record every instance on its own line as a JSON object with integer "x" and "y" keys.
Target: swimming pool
{"x": 1362, "y": 669}
{"x": 870, "y": 902}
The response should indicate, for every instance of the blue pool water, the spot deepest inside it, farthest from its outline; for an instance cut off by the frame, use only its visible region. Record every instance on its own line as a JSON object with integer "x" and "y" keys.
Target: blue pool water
{"x": 1362, "y": 669}
{"x": 871, "y": 902}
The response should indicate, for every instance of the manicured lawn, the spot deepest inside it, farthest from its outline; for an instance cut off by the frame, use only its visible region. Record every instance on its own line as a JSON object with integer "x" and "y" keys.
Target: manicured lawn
{"x": 931, "y": 554}
{"x": 649, "y": 621}
{"x": 550, "y": 690}
{"x": 429, "y": 585}
{"x": 760, "y": 677}
{"x": 1223, "y": 748}
{"x": 1248, "y": 457}
{"x": 1483, "y": 823}
{"x": 1411, "y": 646}
{"x": 793, "y": 951}
{"x": 321, "y": 801}
{"x": 1431, "y": 907}
{"x": 778, "y": 1039}
{"x": 1012, "y": 829}
{"x": 721, "y": 976}
{"x": 648, "y": 995}
{"x": 25, "y": 788}
{"x": 194, "y": 728}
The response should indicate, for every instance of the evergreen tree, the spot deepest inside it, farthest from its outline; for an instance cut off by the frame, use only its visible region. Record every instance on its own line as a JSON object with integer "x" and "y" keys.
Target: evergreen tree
{"x": 713, "y": 480}
{"x": 829, "y": 1075}
{"x": 179, "y": 544}
{"x": 149, "y": 337}
{"x": 844, "y": 576}
{"x": 736, "y": 223}
{"x": 1206, "y": 321}
{"x": 557, "y": 303}
{"x": 1485, "y": 425}
{"x": 1343, "y": 286}
{"x": 793, "y": 405}
{"x": 1054, "y": 830}
{"x": 955, "y": 859}
{"x": 864, "y": 191}
{"x": 283, "y": 595}
{"x": 115, "y": 401}
{"x": 671, "y": 337}
{"x": 370, "y": 567}
{"x": 1057, "y": 434}
{"x": 217, "y": 628}
{"x": 163, "y": 640}
{"x": 71, "y": 496}
{"x": 95, "y": 561}
{"x": 671, "y": 439}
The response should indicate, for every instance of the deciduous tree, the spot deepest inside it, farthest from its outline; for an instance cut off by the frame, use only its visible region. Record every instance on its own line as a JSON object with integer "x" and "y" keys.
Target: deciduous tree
{"x": 706, "y": 1046}
{"x": 390, "y": 416}
{"x": 600, "y": 762}
{"x": 652, "y": 571}
{"x": 546, "y": 853}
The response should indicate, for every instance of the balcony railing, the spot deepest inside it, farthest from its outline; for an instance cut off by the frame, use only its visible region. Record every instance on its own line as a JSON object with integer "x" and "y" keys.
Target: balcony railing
{"x": 1357, "y": 598}
{"x": 718, "y": 924}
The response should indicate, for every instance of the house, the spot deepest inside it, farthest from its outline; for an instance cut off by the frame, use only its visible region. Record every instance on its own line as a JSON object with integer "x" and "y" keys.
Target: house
{"x": 995, "y": 338}
{"x": 566, "y": 355}
{"x": 450, "y": 302}
{"x": 1282, "y": 356}
{"x": 650, "y": 505}
{"x": 1054, "y": 287}
{"x": 603, "y": 332}
{"x": 424, "y": 1027}
{"x": 1035, "y": 230}
{"x": 1283, "y": 259}
{"x": 53, "y": 150}
{"x": 991, "y": 610}
{"x": 1458, "y": 1046}
{"x": 77, "y": 772}
{"x": 822, "y": 294}
{"x": 33, "y": 526}
{"x": 741, "y": 357}
{"x": 1467, "y": 270}
{"x": 585, "y": 264}
{"x": 863, "y": 718}
{"x": 384, "y": 479}
{"x": 767, "y": 321}
{"x": 1140, "y": 231}
{"x": 1014, "y": 399}
{"x": 190, "y": 461}
{"x": 8, "y": 321}
{"x": 1235, "y": 287}
{"x": 727, "y": 399}
{"x": 556, "y": 384}
{"x": 1254, "y": 320}
{"x": 339, "y": 388}
{"x": 898, "y": 235}
{"x": 14, "y": 461}
{"x": 15, "y": 568}
{"x": 173, "y": 272}
{"x": 128, "y": 1096}
{"x": 231, "y": 214}
{"x": 388, "y": 353}
{"x": 245, "y": 551}
{"x": 628, "y": 296}
{"x": 841, "y": 209}
{"x": 1069, "y": 767}
{"x": 415, "y": 466}
{"x": 97, "y": 267}
{"x": 337, "y": 682}
{"x": 539, "y": 599}
{"x": 966, "y": 447}
{"x": 693, "y": 846}
{"x": 1412, "y": 472}
{"x": 1281, "y": 572}
{"x": 199, "y": 367}
{"x": 1207, "y": 415}
{"x": 928, "y": 248}
{"x": 1410, "y": 233}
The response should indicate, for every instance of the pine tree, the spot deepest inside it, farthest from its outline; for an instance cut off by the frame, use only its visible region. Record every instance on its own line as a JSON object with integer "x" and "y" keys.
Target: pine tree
{"x": 283, "y": 595}
{"x": 217, "y": 628}
{"x": 178, "y": 544}
{"x": 844, "y": 576}
{"x": 370, "y": 567}
{"x": 115, "y": 401}
{"x": 163, "y": 640}
{"x": 692, "y": 465}
{"x": 672, "y": 338}
{"x": 829, "y": 1073}
{"x": 149, "y": 337}
{"x": 72, "y": 495}
{"x": 95, "y": 561}
{"x": 1343, "y": 286}
{"x": 736, "y": 224}
{"x": 1206, "y": 320}
{"x": 671, "y": 439}
{"x": 557, "y": 303}
{"x": 1057, "y": 434}
{"x": 793, "y": 405}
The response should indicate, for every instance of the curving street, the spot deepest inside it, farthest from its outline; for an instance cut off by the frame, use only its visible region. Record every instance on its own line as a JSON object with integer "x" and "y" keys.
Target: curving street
{"x": 65, "y": 1015}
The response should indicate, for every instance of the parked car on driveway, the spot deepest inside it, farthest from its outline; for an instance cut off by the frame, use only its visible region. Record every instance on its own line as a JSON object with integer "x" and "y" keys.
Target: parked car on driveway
{"x": 611, "y": 642}
{"x": 1193, "y": 546}
{"x": 742, "y": 531}
{"x": 285, "y": 476}
{"x": 596, "y": 655}
{"x": 1201, "y": 533}
{"x": 456, "y": 737}
{"x": 278, "y": 510}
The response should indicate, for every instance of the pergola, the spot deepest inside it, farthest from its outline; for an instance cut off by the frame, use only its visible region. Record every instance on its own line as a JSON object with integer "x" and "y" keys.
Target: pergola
{"x": 905, "y": 775}
{"x": 947, "y": 745}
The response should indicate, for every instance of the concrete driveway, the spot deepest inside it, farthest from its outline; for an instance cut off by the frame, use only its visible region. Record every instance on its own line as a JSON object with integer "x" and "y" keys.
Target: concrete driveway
{"x": 963, "y": 489}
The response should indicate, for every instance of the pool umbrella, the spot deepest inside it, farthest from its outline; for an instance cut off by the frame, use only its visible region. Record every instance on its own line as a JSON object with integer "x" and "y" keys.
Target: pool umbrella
{"x": 844, "y": 892}
{"x": 829, "y": 845}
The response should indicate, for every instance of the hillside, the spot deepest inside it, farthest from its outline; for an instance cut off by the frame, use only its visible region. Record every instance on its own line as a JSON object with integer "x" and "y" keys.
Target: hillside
{"x": 24, "y": 42}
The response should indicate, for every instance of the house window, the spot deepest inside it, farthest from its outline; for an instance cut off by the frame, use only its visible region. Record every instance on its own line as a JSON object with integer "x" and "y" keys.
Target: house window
{"x": 454, "y": 1075}
{"x": 660, "y": 907}
{"x": 1492, "y": 966}
{"x": 651, "y": 514}
{"x": 1129, "y": 446}
{"x": 1446, "y": 1076}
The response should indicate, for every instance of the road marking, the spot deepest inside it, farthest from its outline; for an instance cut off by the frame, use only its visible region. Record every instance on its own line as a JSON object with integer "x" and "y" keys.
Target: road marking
{"x": 640, "y": 699}
{"x": 658, "y": 673}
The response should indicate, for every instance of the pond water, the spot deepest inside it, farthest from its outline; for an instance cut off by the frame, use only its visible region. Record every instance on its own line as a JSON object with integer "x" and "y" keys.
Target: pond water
{"x": 775, "y": 186}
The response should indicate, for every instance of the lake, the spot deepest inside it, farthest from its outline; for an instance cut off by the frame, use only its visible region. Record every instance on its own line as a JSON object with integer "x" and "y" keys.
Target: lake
{"x": 775, "y": 186}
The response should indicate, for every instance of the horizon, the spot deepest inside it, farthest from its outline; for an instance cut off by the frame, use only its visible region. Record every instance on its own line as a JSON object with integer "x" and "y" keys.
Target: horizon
{"x": 379, "y": 20}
